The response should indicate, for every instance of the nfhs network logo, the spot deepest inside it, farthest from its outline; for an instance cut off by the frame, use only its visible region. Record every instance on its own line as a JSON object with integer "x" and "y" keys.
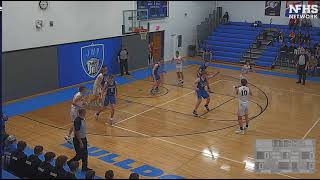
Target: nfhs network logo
{"x": 306, "y": 11}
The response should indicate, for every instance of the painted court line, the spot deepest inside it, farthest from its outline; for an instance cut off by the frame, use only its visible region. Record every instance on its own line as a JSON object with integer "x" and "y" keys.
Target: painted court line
{"x": 311, "y": 129}
{"x": 291, "y": 90}
{"x": 159, "y": 105}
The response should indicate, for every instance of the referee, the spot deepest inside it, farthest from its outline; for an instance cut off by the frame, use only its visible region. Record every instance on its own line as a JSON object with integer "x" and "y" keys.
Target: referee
{"x": 123, "y": 60}
{"x": 302, "y": 66}
{"x": 80, "y": 141}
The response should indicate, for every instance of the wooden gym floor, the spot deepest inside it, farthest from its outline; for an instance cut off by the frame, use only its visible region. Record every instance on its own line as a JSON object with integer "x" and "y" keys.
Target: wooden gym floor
{"x": 160, "y": 131}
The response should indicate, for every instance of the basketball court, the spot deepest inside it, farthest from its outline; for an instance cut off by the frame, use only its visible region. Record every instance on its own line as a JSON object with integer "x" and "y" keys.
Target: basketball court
{"x": 162, "y": 132}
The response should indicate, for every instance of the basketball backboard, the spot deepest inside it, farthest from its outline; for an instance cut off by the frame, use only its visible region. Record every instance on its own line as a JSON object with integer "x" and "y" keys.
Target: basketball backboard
{"x": 134, "y": 19}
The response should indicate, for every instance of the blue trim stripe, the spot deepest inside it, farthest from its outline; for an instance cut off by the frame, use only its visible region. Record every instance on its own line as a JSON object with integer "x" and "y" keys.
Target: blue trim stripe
{"x": 61, "y": 96}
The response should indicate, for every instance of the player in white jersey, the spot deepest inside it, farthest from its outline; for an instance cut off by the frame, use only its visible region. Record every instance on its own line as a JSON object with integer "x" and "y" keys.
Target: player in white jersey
{"x": 179, "y": 67}
{"x": 243, "y": 93}
{"x": 97, "y": 86}
{"x": 78, "y": 102}
{"x": 245, "y": 71}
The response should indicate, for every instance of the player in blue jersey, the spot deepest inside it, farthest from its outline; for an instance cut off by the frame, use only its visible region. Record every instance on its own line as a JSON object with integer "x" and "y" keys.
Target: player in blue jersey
{"x": 110, "y": 92}
{"x": 156, "y": 78}
{"x": 203, "y": 70}
{"x": 200, "y": 87}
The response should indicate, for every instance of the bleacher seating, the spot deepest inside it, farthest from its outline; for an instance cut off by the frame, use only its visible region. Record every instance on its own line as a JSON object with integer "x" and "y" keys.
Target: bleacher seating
{"x": 229, "y": 42}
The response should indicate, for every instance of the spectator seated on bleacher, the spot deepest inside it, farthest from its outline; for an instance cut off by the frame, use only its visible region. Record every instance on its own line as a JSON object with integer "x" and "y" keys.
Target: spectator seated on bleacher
{"x": 317, "y": 51}
{"x": 109, "y": 174}
{"x": 281, "y": 37}
{"x": 292, "y": 37}
{"x": 257, "y": 24}
{"x": 73, "y": 166}
{"x": 46, "y": 167}
{"x": 90, "y": 174}
{"x": 134, "y": 176}
{"x": 291, "y": 23}
{"x": 61, "y": 161}
{"x": 307, "y": 39}
{"x": 306, "y": 23}
{"x": 10, "y": 144}
{"x": 299, "y": 38}
{"x": 291, "y": 51}
{"x": 225, "y": 18}
{"x": 33, "y": 162}
{"x": 284, "y": 52}
{"x": 18, "y": 159}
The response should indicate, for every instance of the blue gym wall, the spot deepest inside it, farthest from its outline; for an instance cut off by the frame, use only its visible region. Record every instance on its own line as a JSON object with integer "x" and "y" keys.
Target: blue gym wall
{"x": 70, "y": 68}
{"x": 39, "y": 70}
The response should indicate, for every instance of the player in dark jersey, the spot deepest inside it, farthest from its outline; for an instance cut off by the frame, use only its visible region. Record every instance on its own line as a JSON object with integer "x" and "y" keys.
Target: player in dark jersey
{"x": 201, "y": 92}
{"x": 156, "y": 78}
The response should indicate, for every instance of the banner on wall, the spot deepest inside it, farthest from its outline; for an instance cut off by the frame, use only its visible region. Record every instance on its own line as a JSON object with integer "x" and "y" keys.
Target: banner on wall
{"x": 272, "y": 8}
{"x": 81, "y": 62}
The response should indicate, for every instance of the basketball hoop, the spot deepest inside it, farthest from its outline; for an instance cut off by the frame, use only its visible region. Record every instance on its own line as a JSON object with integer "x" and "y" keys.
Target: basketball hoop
{"x": 143, "y": 33}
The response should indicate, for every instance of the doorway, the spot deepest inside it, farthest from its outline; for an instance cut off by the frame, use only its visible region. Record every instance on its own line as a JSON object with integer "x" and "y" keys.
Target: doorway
{"x": 157, "y": 38}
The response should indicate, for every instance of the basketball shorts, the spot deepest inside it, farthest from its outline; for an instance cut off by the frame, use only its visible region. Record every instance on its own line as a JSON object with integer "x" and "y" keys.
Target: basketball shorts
{"x": 243, "y": 108}
{"x": 156, "y": 77}
{"x": 74, "y": 113}
{"x": 95, "y": 91}
{"x": 179, "y": 67}
{"x": 109, "y": 100}
{"x": 202, "y": 94}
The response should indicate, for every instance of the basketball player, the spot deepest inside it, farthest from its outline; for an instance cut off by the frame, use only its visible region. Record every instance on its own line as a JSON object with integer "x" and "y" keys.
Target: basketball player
{"x": 109, "y": 92}
{"x": 201, "y": 92}
{"x": 156, "y": 78}
{"x": 178, "y": 60}
{"x": 203, "y": 70}
{"x": 243, "y": 93}
{"x": 245, "y": 71}
{"x": 97, "y": 86}
{"x": 78, "y": 102}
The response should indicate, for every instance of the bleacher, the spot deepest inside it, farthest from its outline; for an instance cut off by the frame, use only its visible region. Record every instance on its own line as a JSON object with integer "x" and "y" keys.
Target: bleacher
{"x": 229, "y": 42}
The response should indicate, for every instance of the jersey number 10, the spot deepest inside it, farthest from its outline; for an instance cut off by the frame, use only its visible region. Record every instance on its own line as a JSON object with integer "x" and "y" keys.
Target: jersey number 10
{"x": 244, "y": 93}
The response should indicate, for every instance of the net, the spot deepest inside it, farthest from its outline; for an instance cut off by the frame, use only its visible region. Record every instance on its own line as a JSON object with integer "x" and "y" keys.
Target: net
{"x": 143, "y": 34}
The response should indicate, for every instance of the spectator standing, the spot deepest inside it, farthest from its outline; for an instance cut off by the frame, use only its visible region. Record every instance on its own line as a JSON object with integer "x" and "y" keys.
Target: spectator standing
{"x": 80, "y": 140}
{"x": 302, "y": 66}
{"x": 123, "y": 60}
{"x": 225, "y": 18}
{"x": 312, "y": 65}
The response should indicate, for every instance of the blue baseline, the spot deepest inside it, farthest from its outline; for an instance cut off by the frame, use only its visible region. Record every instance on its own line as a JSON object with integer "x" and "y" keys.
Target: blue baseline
{"x": 38, "y": 102}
